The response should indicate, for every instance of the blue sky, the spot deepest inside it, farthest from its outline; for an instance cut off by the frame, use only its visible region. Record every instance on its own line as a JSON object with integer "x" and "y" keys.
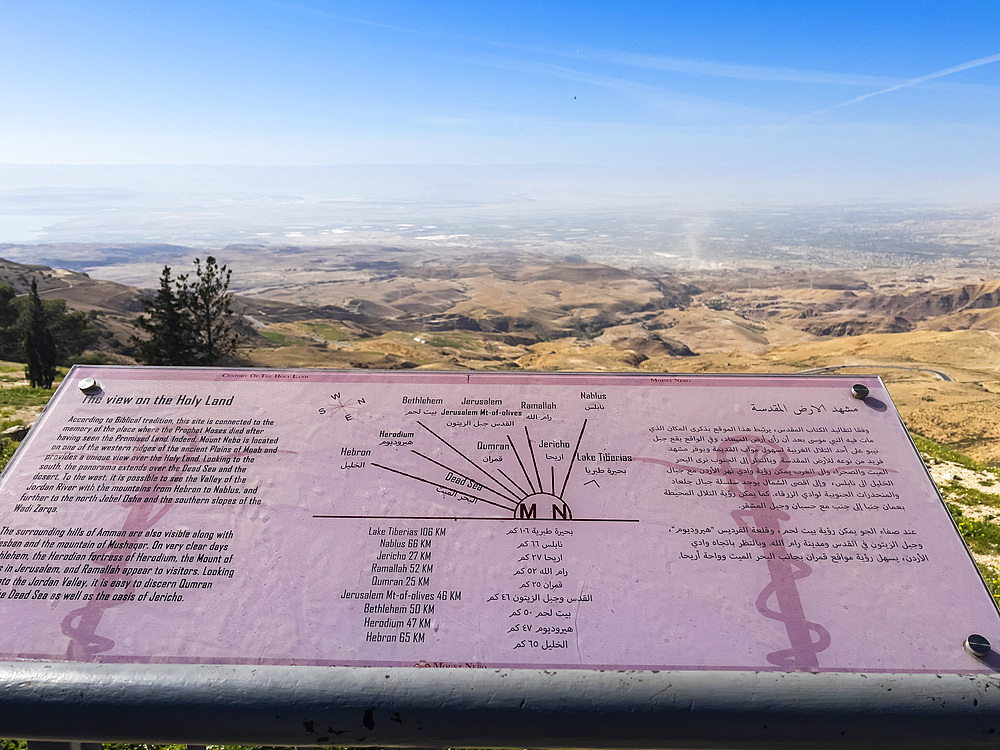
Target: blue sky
{"x": 905, "y": 91}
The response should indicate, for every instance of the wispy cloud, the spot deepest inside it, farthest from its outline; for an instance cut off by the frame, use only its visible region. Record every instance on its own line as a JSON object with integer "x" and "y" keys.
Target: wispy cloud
{"x": 715, "y": 69}
{"x": 665, "y": 63}
{"x": 647, "y": 95}
{"x": 911, "y": 82}
{"x": 662, "y": 98}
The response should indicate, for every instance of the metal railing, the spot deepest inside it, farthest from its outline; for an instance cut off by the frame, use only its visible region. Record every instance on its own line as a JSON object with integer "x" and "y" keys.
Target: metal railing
{"x": 340, "y": 706}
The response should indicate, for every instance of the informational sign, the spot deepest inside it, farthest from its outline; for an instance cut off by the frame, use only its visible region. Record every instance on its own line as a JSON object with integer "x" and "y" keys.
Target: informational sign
{"x": 481, "y": 520}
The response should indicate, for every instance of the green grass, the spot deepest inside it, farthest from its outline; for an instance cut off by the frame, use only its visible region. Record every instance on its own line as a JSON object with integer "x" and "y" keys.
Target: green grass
{"x": 327, "y": 331}
{"x": 936, "y": 452}
{"x": 14, "y": 398}
{"x": 274, "y": 337}
{"x": 18, "y": 397}
{"x": 992, "y": 578}
{"x": 453, "y": 341}
{"x": 981, "y": 535}
{"x": 956, "y": 493}
{"x": 7, "y": 448}
{"x": 21, "y": 396}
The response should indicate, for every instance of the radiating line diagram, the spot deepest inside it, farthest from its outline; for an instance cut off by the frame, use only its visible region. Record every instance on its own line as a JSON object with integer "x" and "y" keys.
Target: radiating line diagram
{"x": 521, "y": 494}
{"x": 341, "y": 407}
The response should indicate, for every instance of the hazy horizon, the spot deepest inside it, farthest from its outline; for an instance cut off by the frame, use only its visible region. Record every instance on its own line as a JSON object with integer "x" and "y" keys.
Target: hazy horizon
{"x": 544, "y": 106}
{"x": 215, "y": 206}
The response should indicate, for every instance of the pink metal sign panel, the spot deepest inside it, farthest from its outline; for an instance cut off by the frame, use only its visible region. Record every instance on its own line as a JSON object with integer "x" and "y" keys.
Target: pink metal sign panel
{"x": 481, "y": 520}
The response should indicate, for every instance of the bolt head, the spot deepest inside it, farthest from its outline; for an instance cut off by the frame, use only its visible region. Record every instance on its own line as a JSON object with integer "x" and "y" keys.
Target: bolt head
{"x": 859, "y": 391}
{"x": 977, "y": 645}
{"x": 89, "y": 385}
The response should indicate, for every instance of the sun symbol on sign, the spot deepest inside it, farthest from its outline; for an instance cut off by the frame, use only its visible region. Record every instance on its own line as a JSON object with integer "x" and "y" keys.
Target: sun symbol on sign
{"x": 521, "y": 495}
{"x": 339, "y": 406}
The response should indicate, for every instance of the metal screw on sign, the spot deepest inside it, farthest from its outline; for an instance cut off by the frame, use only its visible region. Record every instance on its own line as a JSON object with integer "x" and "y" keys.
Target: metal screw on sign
{"x": 89, "y": 385}
{"x": 977, "y": 645}
{"x": 859, "y": 391}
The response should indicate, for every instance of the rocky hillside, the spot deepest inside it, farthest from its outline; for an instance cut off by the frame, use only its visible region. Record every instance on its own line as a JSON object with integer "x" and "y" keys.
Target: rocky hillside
{"x": 931, "y": 336}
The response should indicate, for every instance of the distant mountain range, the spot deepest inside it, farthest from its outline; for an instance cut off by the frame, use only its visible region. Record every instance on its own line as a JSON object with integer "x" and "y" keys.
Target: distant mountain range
{"x": 525, "y": 297}
{"x": 373, "y": 307}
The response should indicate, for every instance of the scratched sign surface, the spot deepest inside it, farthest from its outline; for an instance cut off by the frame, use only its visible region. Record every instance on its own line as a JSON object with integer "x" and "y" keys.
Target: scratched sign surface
{"x": 480, "y": 520}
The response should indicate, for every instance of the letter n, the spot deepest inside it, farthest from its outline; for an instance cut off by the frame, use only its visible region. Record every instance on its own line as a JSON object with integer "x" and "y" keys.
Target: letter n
{"x": 563, "y": 513}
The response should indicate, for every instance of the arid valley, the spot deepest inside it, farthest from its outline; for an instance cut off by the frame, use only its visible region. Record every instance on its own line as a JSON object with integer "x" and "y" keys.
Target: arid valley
{"x": 913, "y": 296}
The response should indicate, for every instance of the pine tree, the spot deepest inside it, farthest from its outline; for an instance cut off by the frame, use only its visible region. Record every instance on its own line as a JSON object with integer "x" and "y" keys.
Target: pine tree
{"x": 70, "y": 330}
{"x": 210, "y": 304}
{"x": 189, "y": 323}
{"x": 169, "y": 325}
{"x": 39, "y": 346}
{"x": 10, "y": 338}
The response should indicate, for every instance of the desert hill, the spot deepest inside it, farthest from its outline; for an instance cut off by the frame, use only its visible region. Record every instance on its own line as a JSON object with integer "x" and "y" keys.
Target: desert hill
{"x": 929, "y": 332}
